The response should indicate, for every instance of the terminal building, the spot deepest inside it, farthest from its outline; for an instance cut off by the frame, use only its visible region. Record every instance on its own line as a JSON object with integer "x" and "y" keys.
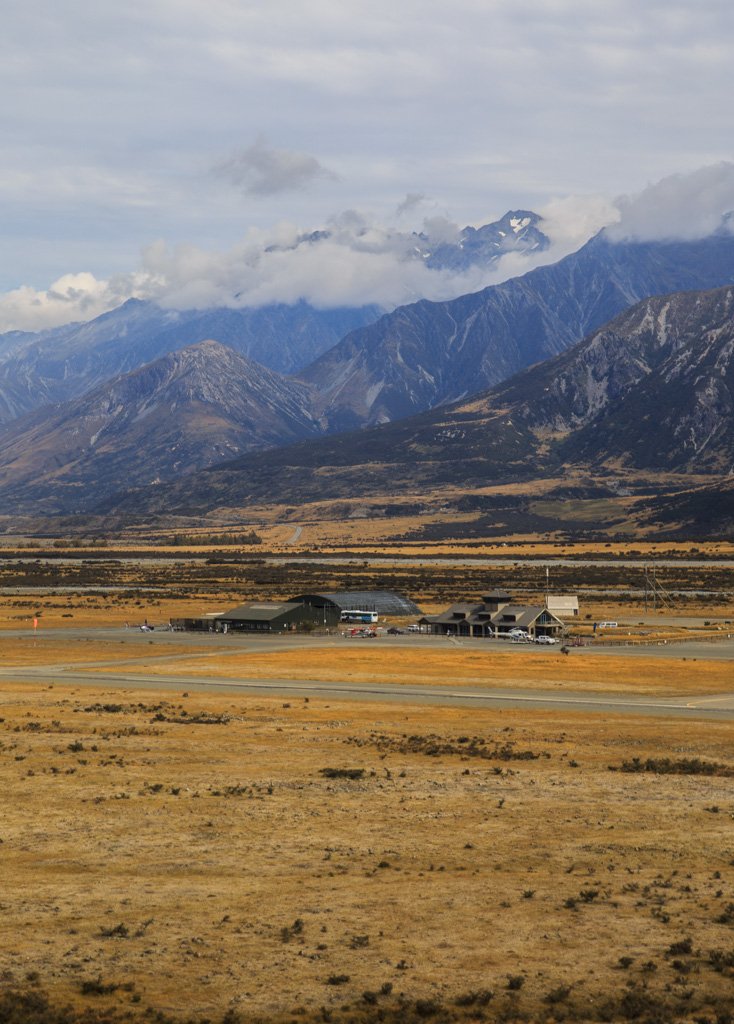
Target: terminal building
{"x": 495, "y": 615}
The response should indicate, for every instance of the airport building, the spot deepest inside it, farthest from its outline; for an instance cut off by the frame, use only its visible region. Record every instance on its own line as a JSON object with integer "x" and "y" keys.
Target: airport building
{"x": 494, "y": 616}
{"x": 315, "y": 610}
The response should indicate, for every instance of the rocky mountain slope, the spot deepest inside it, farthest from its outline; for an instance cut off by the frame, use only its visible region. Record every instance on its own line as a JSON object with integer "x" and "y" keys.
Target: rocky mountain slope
{"x": 517, "y": 231}
{"x": 429, "y": 354}
{"x": 624, "y": 400}
{"x": 67, "y": 362}
{"x": 184, "y": 412}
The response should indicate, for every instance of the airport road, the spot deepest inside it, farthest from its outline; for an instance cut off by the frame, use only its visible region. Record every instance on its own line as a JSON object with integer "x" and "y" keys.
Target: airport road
{"x": 111, "y": 673}
{"x": 720, "y": 650}
{"x": 713, "y": 706}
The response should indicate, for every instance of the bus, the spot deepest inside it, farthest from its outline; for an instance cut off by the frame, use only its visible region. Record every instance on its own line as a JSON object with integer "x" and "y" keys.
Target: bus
{"x": 355, "y": 615}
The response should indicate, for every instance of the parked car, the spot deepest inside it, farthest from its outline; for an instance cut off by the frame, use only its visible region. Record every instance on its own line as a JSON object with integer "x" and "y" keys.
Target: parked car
{"x": 394, "y": 631}
{"x": 414, "y": 629}
{"x": 546, "y": 640}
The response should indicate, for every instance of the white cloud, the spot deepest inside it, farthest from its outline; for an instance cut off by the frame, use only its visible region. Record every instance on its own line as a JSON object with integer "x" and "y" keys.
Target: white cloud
{"x": 680, "y": 206}
{"x": 72, "y": 297}
{"x": 119, "y": 111}
{"x": 570, "y": 218}
{"x": 260, "y": 169}
{"x": 355, "y": 259}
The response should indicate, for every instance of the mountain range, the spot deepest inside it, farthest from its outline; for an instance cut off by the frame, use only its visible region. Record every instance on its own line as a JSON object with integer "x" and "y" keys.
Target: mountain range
{"x": 483, "y": 419}
{"x": 653, "y": 390}
{"x": 181, "y": 413}
{"x": 431, "y": 353}
{"x": 64, "y": 363}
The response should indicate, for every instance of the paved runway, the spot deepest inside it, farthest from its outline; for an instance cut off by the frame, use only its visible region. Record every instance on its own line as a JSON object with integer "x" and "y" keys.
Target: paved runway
{"x": 108, "y": 673}
{"x": 712, "y": 706}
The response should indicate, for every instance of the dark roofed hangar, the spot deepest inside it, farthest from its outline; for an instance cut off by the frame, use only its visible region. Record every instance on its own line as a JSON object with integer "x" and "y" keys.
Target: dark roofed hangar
{"x": 320, "y": 609}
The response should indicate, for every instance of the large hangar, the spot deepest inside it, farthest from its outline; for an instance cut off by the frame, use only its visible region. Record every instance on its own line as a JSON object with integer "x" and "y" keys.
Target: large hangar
{"x": 323, "y": 610}
{"x": 384, "y": 602}
{"x": 261, "y": 615}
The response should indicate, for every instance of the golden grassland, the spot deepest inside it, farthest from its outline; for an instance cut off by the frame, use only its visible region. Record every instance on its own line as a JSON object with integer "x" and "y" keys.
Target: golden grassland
{"x": 363, "y": 534}
{"x": 186, "y": 857}
{"x": 383, "y": 661}
{"x": 183, "y": 857}
{"x": 368, "y": 511}
{"x": 43, "y": 650}
{"x": 190, "y": 854}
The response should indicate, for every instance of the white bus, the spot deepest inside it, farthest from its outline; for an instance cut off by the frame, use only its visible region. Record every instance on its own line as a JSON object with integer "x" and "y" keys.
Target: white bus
{"x": 355, "y": 615}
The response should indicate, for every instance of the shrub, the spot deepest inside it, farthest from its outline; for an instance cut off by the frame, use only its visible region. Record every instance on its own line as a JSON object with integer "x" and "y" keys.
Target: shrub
{"x": 683, "y": 946}
{"x": 96, "y": 987}
{"x": 342, "y": 773}
{"x": 479, "y": 998}
{"x": 427, "y": 1007}
{"x": 557, "y": 995}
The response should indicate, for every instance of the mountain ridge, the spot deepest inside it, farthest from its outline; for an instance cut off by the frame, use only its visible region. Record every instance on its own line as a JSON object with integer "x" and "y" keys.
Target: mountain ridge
{"x": 518, "y": 432}
{"x": 176, "y": 415}
{"x": 430, "y": 354}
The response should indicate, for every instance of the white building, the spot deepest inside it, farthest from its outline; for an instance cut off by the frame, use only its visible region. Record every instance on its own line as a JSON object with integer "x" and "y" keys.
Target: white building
{"x": 564, "y": 606}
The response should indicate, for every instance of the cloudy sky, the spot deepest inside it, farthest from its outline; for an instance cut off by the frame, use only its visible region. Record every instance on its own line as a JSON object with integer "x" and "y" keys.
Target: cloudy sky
{"x": 160, "y": 148}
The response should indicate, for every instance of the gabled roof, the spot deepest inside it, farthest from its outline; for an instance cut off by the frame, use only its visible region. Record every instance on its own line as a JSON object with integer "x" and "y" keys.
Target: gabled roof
{"x": 456, "y": 613}
{"x": 259, "y": 611}
{"x": 521, "y": 616}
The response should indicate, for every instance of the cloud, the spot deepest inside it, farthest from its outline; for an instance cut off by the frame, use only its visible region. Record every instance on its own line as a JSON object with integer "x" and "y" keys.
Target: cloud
{"x": 354, "y": 258}
{"x": 412, "y": 201}
{"x": 566, "y": 219}
{"x": 686, "y": 206}
{"x": 72, "y": 297}
{"x": 351, "y": 261}
{"x": 263, "y": 170}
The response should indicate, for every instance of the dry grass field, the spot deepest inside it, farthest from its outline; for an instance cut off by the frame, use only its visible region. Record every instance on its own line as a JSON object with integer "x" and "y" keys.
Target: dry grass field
{"x": 397, "y": 661}
{"x": 186, "y": 857}
{"x": 192, "y": 857}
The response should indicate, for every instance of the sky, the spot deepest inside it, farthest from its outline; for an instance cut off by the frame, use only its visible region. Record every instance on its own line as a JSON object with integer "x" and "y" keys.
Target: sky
{"x": 176, "y": 150}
